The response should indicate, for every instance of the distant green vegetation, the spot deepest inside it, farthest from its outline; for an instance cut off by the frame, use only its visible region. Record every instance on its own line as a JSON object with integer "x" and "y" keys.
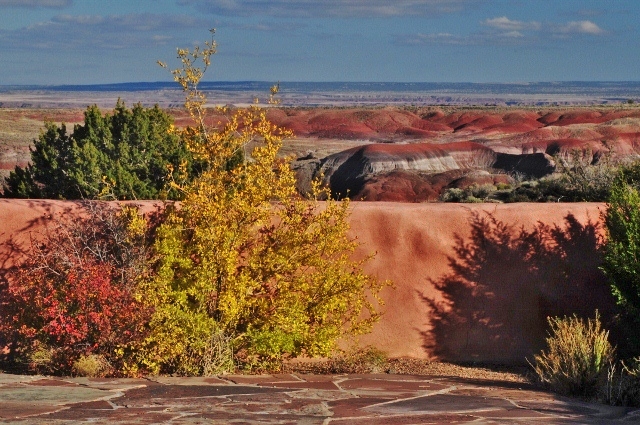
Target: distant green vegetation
{"x": 578, "y": 179}
{"x": 129, "y": 154}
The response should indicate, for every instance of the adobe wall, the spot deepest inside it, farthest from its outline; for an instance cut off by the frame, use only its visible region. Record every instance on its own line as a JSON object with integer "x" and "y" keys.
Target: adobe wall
{"x": 473, "y": 282}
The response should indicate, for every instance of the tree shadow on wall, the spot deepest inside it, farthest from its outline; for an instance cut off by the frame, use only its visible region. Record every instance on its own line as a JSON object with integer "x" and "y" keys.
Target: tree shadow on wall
{"x": 505, "y": 281}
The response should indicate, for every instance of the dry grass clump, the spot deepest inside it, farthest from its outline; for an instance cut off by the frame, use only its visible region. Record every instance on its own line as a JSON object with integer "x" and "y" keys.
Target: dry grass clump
{"x": 577, "y": 356}
{"x": 40, "y": 360}
{"x": 219, "y": 356}
{"x": 622, "y": 387}
{"x": 92, "y": 366}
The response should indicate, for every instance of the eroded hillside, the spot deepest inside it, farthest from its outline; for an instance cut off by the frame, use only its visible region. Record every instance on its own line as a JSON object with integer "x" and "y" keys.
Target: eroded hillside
{"x": 405, "y": 154}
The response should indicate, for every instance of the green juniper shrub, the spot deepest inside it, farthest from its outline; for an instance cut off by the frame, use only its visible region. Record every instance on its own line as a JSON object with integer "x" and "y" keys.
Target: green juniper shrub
{"x": 128, "y": 154}
{"x": 621, "y": 263}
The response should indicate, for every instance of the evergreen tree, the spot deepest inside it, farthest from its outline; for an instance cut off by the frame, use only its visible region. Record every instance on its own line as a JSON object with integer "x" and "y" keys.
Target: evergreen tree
{"x": 129, "y": 154}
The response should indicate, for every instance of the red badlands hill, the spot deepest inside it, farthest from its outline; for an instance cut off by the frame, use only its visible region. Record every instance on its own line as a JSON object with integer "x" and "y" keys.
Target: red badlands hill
{"x": 432, "y": 123}
{"x": 386, "y": 171}
{"x": 449, "y": 141}
{"x": 423, "y": 148}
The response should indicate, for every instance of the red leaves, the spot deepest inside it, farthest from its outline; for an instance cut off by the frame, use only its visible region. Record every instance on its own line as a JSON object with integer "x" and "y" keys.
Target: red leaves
{"x": 85, "y": 311}
{"x": 75, "y": 295}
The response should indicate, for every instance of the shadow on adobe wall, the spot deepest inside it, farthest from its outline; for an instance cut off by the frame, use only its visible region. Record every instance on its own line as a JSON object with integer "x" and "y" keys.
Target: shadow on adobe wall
{"x": 505, "y": 281}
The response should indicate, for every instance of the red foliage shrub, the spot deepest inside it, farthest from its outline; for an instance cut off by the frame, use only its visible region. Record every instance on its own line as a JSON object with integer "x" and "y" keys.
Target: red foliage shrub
{"x": 75, "y": 296}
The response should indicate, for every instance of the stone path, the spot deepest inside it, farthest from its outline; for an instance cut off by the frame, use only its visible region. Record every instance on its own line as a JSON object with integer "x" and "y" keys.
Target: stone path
{"x": 292, "y": 399}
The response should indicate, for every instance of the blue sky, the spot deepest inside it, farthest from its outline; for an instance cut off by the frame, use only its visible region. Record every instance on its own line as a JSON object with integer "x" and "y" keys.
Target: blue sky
{"x": 111, "y": 41}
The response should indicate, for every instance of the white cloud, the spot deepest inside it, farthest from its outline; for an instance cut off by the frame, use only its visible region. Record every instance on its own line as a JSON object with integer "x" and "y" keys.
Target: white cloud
{"x": 98, "y": 32}
{"x": 79, "y": 19}
{"x": 504, "y": 23}
{"x": 574, "y": 27}
{"x": 448, "y": 39}
{"x": 591, "y": 12}
{"x": 36, "y": 3}
{"x": 329, "y": 8}
{"x": 505, "y": 31}
{"x": 162, "y": 39}
{"x": 513, "y": 34}
{"x": 279, "y": 27}
{"x": 580, "y": 27}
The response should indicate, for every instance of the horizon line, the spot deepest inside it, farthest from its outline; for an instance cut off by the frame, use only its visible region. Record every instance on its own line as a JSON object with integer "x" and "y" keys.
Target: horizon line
{"x": 40, "y": 85}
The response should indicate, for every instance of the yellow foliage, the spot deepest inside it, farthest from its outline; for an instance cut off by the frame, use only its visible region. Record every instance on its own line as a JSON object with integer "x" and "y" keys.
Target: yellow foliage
{"x": 246, "y": 256}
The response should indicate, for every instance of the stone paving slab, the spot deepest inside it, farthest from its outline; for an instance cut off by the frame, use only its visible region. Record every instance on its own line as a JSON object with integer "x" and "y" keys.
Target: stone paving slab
{"x": 379, "y": 399}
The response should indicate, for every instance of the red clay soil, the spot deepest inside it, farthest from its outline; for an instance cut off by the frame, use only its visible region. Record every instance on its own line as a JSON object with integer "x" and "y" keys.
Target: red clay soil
{"x": 473, "y": 282}
{"x": 407, "y": 186}
{"x": 387, "y": 122}
{"x": 503, "y": 131}
{"x": 401, "y": 186}
{"x": 11, "y": 165}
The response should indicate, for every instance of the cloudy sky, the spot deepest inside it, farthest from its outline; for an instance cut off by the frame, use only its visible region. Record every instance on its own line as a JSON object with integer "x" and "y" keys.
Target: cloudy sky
{"x": 111, "y": 41}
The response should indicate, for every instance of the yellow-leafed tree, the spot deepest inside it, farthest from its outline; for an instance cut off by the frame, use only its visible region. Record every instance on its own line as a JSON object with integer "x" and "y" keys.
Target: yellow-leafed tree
{"x": 248, "y": 272}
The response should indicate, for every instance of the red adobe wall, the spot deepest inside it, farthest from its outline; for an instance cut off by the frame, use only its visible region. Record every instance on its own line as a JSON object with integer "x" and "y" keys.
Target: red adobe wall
{"x": 473, "y": 282}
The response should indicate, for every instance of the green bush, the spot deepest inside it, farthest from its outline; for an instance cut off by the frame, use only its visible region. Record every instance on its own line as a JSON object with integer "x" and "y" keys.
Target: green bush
{"x": 481, "y": 191}
{"x": 129, "y": 154}
{"x": 622, "y": 256}
{"x": 472, "y": 194}
{"x": 584, "y": 176}
{"x": 453, "y": 195}
{"x": 577, "y": 356}
{"x": 92, "y": 366}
